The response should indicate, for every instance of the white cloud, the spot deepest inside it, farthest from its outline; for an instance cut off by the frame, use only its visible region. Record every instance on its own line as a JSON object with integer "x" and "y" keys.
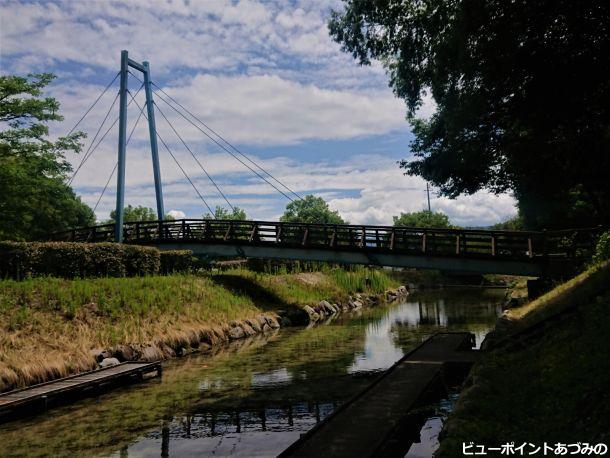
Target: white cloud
{"x": 365, "y": 190}
{"x": 270, "y": 110}
{"x": 261, "y": 73}
{"x": 210, "y": 36}
{"x": 176, "y": 214}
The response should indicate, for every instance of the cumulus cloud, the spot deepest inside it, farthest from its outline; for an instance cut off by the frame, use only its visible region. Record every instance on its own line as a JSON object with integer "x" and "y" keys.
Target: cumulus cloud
{"x": 217, "y": 37}
{"x": 369, "y": 194}
{"x": 267, "y": 109}
{"x": 176, "y": 214}
{"x": 261, "y": 73}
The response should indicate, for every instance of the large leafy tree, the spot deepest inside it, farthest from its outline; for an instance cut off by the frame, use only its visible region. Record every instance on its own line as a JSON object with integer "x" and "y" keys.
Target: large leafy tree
{"x": 235, "y": 214}
{"x": 522, "y": 90}
{"x": 311, "y": 209}
{"x": 424, "y": 218}
{"x": 34, "y": 197}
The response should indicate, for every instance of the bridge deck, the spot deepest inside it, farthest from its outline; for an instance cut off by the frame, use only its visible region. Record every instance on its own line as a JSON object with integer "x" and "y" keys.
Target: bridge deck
{"x": 483, "y": 251}
{"x": 15, "y": 401}
{"x": 363, "y": 426}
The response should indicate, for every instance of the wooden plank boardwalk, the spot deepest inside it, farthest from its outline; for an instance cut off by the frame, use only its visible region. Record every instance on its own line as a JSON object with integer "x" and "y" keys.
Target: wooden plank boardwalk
{"x": 365, "y": 425}
{"x": 58, "y": 391}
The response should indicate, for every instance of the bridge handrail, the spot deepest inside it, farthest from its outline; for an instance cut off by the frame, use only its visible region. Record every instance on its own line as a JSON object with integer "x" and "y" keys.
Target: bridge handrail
{"x": 353, "y": 226}
{"x": 549, "y": 233}
{"x": 573, "y": 243}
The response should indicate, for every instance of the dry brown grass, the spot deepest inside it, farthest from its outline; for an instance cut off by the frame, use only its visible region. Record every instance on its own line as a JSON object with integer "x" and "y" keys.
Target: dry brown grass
{"x": 49, "y": 326}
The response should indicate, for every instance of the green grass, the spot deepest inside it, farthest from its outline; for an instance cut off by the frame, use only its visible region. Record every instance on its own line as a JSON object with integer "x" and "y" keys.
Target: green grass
{"x": 116, "y": 298}
{"x": 48, "y": 326}
{"x": 549, "y": 386}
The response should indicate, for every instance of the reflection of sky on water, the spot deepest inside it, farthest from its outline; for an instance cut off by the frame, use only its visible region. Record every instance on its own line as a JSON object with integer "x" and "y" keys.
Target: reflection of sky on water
{"x": 382, "y": 346}
{"x": 271, "y": 378}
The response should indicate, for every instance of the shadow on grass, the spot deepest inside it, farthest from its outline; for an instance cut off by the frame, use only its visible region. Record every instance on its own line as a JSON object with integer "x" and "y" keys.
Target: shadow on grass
{"x": 262, "y": 297}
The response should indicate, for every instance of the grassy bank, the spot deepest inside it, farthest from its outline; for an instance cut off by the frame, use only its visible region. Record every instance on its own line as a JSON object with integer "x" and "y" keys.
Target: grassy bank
{"x": 546, "y": 374}
{"x": 49, "y": 326}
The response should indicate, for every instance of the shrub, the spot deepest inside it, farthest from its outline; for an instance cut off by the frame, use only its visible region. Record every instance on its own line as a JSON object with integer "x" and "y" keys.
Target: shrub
{"x": 20, "y": 260}
{"x": 602, "y": 249}
{"x": 176, "y": 261}
{"x": 140, "y": 260}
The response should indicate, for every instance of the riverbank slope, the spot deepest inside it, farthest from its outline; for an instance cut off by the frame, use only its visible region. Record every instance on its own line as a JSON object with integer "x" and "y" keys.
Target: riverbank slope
{"x": 51, "y": 327}
{"x": 545, "y": 374}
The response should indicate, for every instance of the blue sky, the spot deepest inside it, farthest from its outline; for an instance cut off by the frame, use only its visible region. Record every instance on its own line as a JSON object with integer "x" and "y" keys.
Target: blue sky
{"x": 265, "y": 75}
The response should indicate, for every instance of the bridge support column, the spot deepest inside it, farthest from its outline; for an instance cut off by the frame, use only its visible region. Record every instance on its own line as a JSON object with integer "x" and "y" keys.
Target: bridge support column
{"x": 154, "y": 150}
{"x": 120, "y": 195}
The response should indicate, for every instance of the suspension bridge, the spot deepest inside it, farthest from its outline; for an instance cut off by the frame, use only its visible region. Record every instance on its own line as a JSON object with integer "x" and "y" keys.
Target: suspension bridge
{"x": 543, "y": 253}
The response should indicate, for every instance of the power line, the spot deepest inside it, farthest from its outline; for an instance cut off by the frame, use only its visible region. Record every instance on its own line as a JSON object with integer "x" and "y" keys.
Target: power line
{"x": 179, "y": 166}
{"x": 196, "y": 160}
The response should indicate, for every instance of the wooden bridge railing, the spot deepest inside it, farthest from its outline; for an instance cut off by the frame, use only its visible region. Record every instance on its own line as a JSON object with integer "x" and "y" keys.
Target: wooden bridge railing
{"x": 573, "y": 244}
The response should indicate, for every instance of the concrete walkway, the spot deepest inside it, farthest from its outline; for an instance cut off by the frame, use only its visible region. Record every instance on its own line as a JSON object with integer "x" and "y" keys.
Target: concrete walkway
{"x": 362, "y": 426}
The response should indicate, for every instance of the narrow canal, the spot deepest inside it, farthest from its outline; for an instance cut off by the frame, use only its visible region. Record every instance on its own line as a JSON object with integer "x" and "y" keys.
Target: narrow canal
{"x": 256, "y": 396}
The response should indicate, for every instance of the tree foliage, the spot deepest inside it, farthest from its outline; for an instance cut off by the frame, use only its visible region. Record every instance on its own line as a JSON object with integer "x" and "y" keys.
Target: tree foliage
{"x": 422, "y": 218}
{"x": 139, "y": 213}
{"x": 522, "y": 92}
{"x": 512, "y": 224}
{"x": 236, "y": 214}
{"x": 35, "y": 200}
{"x": 602, "y": 248}
{"x": 311, "y": 209}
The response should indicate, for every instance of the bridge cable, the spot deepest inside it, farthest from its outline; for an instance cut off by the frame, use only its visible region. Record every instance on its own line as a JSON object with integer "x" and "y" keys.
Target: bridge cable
{"x": 88, "y": 156}
{"x": 116, "y": 163}
{"x": 221, "y": 146}
{"x": 178, "y": 164}
{"x": 94, "y": 103}
{"x": 225, "y": 149}
{"x": 194, "y": 157}
{"x": 226, "y": 141}
{"x": 84, "y": 158}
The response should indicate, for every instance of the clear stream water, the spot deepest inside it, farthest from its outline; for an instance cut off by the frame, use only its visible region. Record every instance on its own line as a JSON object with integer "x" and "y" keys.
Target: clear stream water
{"x": 255, "y": 397}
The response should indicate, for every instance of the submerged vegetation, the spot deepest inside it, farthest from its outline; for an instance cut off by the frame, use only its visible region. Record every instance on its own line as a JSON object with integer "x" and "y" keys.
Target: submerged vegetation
{"x": 48, "y": 326}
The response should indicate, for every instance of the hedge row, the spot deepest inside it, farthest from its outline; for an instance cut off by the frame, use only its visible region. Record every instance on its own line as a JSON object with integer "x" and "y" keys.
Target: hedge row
{"x": 20, "y": 260}
{"x": 176, "y": 261}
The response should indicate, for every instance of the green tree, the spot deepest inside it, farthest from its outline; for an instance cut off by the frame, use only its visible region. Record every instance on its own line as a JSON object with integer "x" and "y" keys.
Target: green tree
{"x": 236, "y": 214}
{"x": 311, "y": 209}
{"x": 522, "y": 96}
{"x": 35, "y": 199}
{"x": 512, "y": 224}
{"x": 422, "y": 218}
{"x": 139, "y": 213}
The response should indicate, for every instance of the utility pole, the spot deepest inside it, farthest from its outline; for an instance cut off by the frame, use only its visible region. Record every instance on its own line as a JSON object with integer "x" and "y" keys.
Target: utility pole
{"x": 428, "y": 194}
